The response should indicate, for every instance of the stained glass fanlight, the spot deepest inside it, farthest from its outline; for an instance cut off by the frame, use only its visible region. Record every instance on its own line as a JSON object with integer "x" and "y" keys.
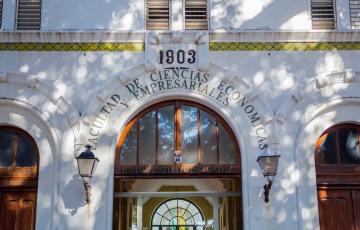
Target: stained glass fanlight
{"x": 177, "y": 214}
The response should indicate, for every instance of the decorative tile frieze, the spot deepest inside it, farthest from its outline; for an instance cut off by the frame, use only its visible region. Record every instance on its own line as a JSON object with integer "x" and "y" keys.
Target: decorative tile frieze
{"x": 123, "y": 46}
{"x": 283, "y": 46}
{"x": 213, "y": 46}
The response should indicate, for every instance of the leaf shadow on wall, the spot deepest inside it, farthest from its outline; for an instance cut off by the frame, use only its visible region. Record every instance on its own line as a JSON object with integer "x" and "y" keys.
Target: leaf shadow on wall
{"x": 73, "y": 201}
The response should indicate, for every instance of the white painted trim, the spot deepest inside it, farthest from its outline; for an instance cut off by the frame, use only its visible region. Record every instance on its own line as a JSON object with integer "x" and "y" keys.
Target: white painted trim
{"x": 342, "y": 11}
{"x": 8, "y": 15}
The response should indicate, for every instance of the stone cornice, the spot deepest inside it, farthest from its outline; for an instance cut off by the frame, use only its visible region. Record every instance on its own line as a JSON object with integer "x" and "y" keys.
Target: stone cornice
{"x": 227, "y": 40}
{"x": 70, "y": 36}
{"x": 99, "y": 36}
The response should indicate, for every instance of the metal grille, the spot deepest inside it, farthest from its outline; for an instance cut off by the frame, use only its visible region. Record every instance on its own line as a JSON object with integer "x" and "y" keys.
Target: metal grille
{"x": 322, "y": 14}
{"x": 28, "y": 15}
{"x": 355, "y": 14}
{"x": 196, "y": 17}
{"x": 157, "y": 14}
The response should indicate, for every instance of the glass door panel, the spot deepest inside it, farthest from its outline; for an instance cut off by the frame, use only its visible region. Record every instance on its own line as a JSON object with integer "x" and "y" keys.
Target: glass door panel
{"x": 167, "y": 209}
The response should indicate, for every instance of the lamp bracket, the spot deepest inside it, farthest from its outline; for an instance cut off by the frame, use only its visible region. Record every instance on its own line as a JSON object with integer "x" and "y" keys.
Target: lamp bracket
{"x": 87, "y": 187}
{"x": 267, "y": 188}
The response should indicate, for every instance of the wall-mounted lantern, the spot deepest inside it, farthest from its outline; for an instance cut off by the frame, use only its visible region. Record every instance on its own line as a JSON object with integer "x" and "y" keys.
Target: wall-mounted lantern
{"x": 87, "y": 163}
{"x": 268, "y": 165}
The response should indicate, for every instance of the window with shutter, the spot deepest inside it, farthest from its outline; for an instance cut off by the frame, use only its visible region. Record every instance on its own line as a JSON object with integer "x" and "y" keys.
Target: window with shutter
{"x": 1, "y": 9}
{"x": 322, "y": 14}
{"x": 28, "y": 15}
{"x": 355, "y": 14}
{"x": 196, "y": 15}
{"x": 157, "y": 14}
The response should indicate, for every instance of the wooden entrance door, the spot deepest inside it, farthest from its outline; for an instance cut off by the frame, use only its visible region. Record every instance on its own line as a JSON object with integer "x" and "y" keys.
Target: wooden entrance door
{"x": 337, "y": 158}
{"x": 339, "y": 208}
{"x": 17, "y": 210}
{"x": 19, "y": 157}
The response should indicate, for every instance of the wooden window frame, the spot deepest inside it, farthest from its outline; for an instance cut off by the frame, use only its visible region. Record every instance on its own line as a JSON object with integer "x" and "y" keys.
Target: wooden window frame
{"x": 338, "y": 173}
{"x": 14, "y": 176}
{"x": 178, "y": 133}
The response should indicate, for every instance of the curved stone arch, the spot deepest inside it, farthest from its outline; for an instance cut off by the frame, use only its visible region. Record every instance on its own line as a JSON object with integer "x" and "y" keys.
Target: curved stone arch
{"x": 114, "y": 84}
{"x": 317, "y": 84}
{"x": 322, "y": 102}
{"x": 115, "y": 122}
{"x": 51, "y": 94}
{"x": 30, "y": 104}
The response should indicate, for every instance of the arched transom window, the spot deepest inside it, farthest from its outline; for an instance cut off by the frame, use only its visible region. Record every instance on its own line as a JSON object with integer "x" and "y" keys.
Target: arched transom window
{"x": 177, "y": 131}
{"x": 18, "y": 153}
{"x": 177, "y": 213}
{"x": 339, "y": 146}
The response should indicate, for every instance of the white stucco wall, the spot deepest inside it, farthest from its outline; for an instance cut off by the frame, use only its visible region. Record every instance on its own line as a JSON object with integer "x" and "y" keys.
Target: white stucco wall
{"x": 81, "y": 74}
{"x": 297, "y": 94}
{"x": 255, "y": 14}
{"x": 130, "y": 15}
{"x": 38, "y": 108}
{"x": 94, "y": 15}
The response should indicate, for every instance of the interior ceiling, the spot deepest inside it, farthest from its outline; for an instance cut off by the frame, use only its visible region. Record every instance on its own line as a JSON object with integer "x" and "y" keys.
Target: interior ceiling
{"x": 153, "y": 185}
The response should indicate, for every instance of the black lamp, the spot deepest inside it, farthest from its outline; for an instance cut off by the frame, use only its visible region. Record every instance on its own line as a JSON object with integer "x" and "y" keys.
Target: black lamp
{"x": 268, "y": 165}
{"x": 87, "y": 163}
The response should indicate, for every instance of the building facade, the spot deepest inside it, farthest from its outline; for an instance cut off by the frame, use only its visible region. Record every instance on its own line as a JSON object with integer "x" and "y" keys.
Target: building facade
{"x": 178, "y": 99}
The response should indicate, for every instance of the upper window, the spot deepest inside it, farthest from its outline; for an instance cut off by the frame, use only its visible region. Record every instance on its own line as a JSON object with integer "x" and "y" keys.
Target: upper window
{"x": 177, "y": 214}
{"x": 355, "y": 14}
{"x": 339, "y": 146}
{"x": 158, "y": 16}
{"x": 177, "y": 130}
{"x": 17, "y": 150}
{"x": 1, "y": 10}
{"x": 28, "y": 15}
{"x": 323, "y": 14}
{"x": 196, "y": 15}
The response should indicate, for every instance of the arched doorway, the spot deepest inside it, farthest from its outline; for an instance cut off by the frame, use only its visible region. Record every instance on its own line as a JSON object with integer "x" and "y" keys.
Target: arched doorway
{"x": 19, "y": 159}
{"x": 337, "y": 159}
{"x": 177, "y": 149}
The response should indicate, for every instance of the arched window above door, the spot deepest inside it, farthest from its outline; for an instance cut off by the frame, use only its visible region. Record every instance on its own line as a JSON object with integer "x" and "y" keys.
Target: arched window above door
{"x": 179, "y": 129}
{"x": 337, "y": 150}
{"x": 18, "y": 155}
